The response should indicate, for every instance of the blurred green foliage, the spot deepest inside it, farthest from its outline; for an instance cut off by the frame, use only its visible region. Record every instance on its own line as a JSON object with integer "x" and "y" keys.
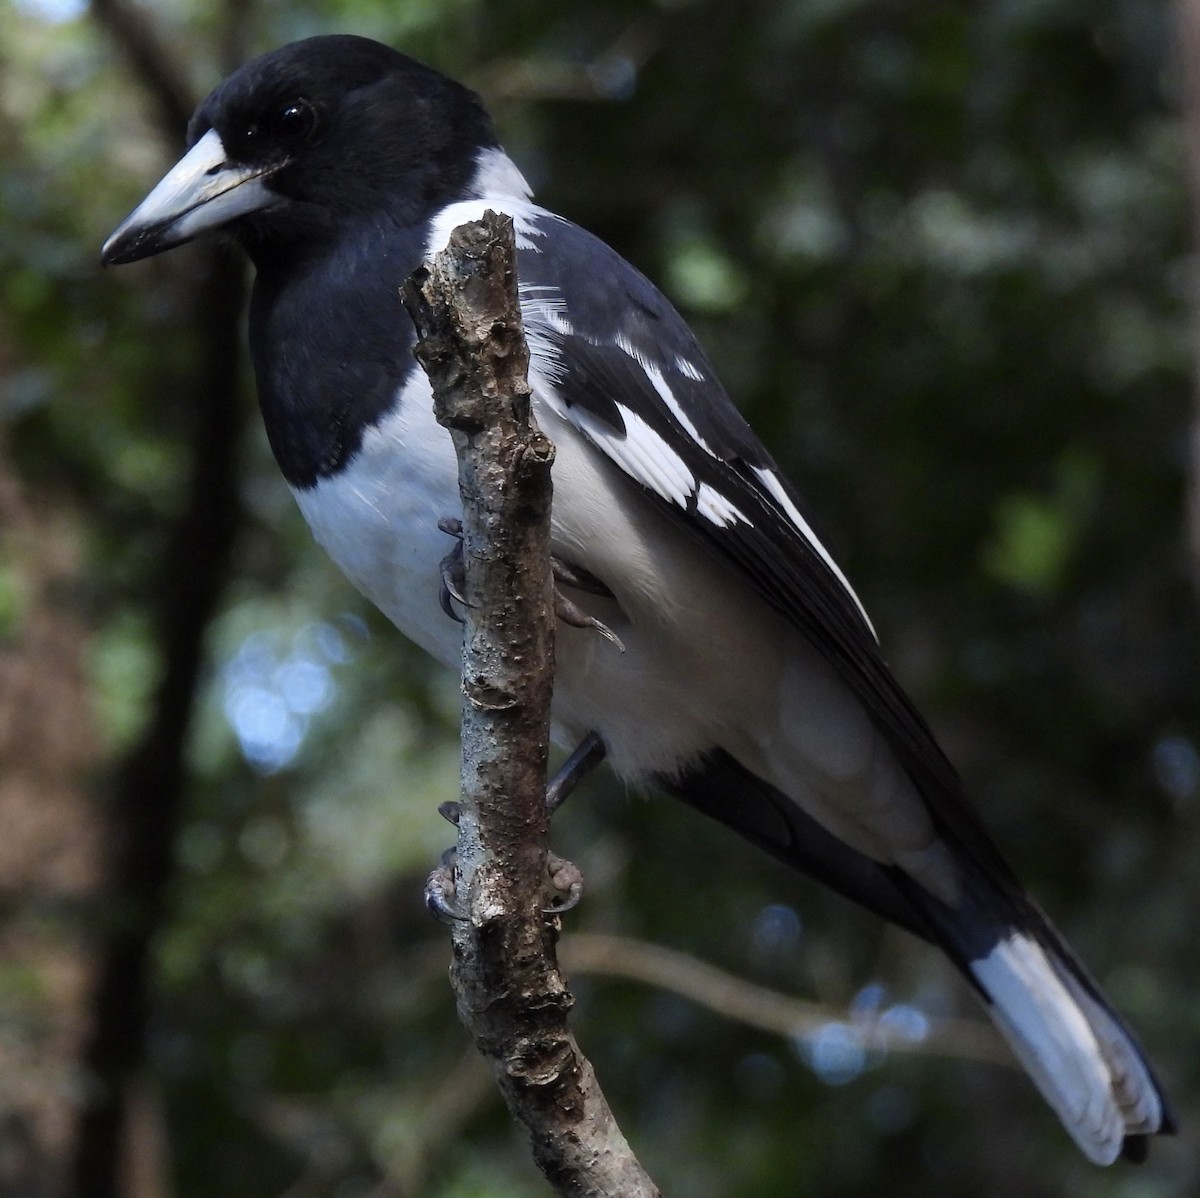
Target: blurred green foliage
{"x": 938, "y": 253}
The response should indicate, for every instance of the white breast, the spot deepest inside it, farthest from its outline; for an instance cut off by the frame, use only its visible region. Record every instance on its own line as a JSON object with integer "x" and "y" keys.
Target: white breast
{"x": 378, "y": 518}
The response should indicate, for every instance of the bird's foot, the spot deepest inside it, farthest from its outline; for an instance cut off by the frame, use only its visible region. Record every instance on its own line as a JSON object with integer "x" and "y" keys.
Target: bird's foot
{"x": 452, "y": 570}
{"x": 571, "y": 613}
{"x": 563, "y": 886}
{"x": 453, "y": 579}
{"x": 441, "y": 890}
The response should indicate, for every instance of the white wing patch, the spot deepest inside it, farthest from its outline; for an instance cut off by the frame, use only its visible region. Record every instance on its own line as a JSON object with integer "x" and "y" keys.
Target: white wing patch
{"x": 660, "y": 384}
{"x": 718, "y": 510}
{"x": 770, "y": 480}
{"x": 641, "y": 453}
{"x": 668, "y": 397}
{"x": 646, "y": 457}
{"x": 543, "y": 313}
{"x": 542, "y": 303}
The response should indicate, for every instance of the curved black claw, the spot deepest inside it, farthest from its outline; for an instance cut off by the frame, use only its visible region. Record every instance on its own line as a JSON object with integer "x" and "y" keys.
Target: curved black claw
{"x": 571, "y": 613}
{"x": 451, "y": 569}
{"x": 441, "y": 890}
{"x": 568, "y": 574}
{"x": 565, "y": 880}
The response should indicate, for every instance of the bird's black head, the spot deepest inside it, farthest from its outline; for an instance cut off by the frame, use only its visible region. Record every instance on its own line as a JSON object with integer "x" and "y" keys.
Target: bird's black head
{"x": 307, "y": 136}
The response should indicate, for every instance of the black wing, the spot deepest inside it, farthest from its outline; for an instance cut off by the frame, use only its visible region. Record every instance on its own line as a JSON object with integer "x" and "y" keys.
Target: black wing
{"x": 633, "y": 380}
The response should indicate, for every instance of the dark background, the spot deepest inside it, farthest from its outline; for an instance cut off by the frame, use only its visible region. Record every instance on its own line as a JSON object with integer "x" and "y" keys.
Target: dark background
{"x": 940, "y": 255}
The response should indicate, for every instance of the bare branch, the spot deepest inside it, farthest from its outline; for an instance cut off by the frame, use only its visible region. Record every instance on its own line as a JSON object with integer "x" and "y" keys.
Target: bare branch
{"x": 510, "y": 994}
{"x": 765, "y": 1009}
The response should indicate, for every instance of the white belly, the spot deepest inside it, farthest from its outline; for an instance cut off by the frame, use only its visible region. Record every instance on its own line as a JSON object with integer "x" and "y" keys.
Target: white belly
{"x": 378, "y": 520}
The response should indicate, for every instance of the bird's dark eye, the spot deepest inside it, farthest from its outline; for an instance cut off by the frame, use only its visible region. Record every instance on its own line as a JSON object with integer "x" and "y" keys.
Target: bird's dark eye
{"x": 275, "y": 129}
{"x": 295, "y": 121}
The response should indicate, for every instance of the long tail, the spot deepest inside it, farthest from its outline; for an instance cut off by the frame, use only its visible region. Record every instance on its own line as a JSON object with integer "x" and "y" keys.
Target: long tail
{"x": 1078, "y": 1051}
{"x": 1075, "y": 1047}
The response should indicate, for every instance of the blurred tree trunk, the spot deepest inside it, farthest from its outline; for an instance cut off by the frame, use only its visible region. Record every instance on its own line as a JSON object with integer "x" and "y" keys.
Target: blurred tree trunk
{"x": 51, "y": 847}
{"x": 1188, "y": 19}
{"x": 150, "y": 783}
{"x": 118, "y": 1151}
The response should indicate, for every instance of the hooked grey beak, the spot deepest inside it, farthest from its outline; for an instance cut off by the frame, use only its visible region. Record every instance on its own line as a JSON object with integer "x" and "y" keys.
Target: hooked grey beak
{"x": 202, "y": 191}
